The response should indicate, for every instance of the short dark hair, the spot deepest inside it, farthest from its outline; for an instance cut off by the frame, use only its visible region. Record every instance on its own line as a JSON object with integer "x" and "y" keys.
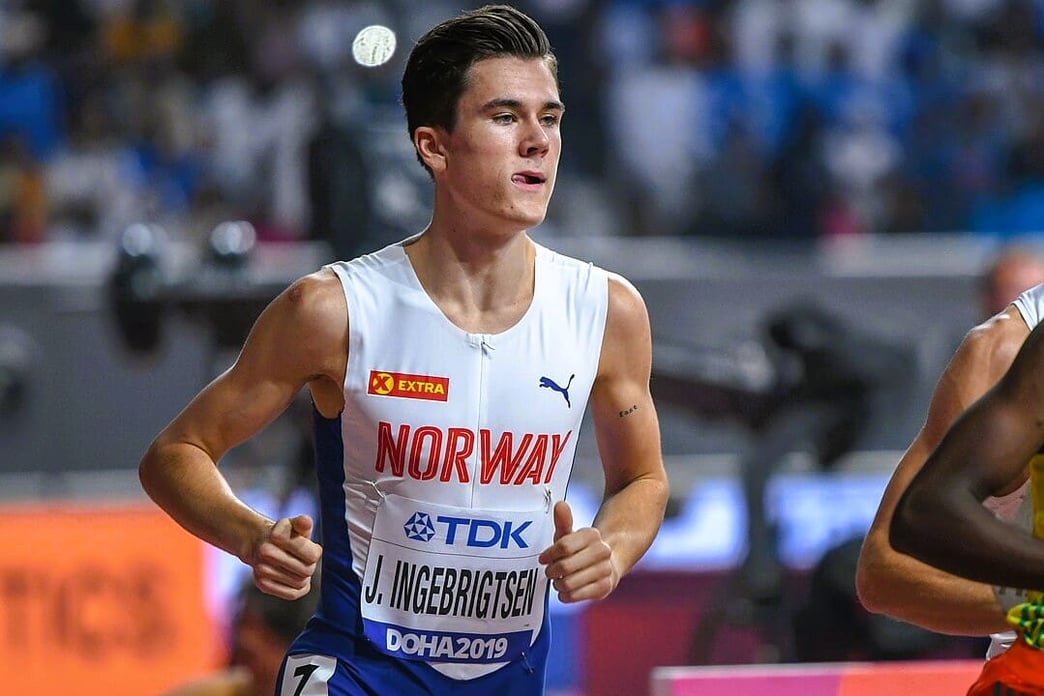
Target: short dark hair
{"x": 436, "y": 72}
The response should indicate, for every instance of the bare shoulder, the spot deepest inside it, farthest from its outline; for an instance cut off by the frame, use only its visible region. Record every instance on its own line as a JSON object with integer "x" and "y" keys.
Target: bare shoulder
{"x": 626, "y": 307}
{"x": 303, "y": 331}
{"x": 989, "y": 348}
{"x": 312, "y": 308}
{"x": 317, "y": 295}
{"x": 984, "y": 355}
{"x": 627, "y": 343}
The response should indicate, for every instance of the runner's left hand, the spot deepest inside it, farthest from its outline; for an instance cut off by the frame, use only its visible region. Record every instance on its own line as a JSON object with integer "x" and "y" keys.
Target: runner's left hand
{"x": 579, "y": 562}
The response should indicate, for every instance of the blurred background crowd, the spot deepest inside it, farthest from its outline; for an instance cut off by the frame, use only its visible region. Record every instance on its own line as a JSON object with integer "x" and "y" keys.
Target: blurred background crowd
{"x": 749, "y": 119}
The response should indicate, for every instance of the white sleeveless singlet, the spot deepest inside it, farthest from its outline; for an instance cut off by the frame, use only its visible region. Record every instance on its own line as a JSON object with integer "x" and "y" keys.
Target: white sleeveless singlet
{"x": 455, "y": 447}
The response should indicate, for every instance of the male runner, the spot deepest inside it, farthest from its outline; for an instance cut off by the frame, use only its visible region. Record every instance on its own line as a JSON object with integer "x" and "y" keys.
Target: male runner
{"x": 450, "y": 374}
{"x": 940, "y": 518}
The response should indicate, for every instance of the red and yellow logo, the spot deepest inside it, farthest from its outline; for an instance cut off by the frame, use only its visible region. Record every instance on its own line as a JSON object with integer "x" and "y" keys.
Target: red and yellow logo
{"x": 408, "y": 386}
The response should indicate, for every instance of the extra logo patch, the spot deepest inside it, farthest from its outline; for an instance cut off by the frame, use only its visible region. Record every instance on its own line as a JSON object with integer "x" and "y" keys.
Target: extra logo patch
{"x": 408, "y": 386}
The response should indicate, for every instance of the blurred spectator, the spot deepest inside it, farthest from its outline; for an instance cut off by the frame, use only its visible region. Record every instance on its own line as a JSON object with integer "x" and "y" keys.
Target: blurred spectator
{"x": 262, "y": 630}
{"x": 1019, "y": 209}
{"x": 30, "y": 94}
{"x": 860, "y": 154}
{"x": 88, "y": 191}
{"x": 142, "y": 30}
{"x": 799, "y": 178}
{"x": 340, "y": 188}
{"x": 658, "y": 116}
{"x": 23, "y": 209}
{"x": 259, "y": 125}
{"x": 1013, "y": 269}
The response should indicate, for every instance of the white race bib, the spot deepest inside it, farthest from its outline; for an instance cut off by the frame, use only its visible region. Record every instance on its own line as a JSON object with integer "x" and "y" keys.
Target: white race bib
{"x": 454, "y": 585}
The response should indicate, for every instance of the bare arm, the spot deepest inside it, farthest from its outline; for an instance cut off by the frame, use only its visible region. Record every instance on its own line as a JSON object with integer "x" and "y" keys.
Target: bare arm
{"x": 628, "y": 431}
{"x": 299, "y": 339}
{"x": 588, "y": 563}
{"x": 901, "y": 586}
{"x": 940, "y": 518}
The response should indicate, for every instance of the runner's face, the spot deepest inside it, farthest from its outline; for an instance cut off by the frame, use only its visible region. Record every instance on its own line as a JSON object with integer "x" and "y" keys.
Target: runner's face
{"x": 502, "y": 157}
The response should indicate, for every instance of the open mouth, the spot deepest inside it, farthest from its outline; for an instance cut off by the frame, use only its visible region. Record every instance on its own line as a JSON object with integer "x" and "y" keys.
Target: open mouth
{"x": 528, "y": 178}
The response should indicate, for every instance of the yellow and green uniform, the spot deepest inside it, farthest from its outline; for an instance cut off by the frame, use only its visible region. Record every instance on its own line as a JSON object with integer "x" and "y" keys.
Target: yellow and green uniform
{"x": 1027, "y": 618}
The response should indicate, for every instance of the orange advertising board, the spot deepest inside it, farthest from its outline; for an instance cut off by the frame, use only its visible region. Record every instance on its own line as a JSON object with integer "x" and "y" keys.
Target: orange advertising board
{"x": 100, "y": 600}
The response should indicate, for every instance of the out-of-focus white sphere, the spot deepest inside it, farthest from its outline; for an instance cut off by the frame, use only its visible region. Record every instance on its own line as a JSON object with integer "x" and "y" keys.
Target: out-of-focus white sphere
{"x": 373, "y": 45}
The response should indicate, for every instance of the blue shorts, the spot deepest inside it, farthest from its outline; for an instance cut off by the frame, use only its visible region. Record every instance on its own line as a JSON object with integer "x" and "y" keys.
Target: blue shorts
{"x": 323, "y": 661}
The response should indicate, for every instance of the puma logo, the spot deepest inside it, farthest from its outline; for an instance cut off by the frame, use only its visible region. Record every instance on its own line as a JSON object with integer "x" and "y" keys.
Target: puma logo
{"x": 564, "y": 391}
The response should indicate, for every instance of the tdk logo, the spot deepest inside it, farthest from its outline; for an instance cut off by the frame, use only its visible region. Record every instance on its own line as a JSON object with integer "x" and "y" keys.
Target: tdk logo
{"x": 482, "y": 534}
{"x": 419, "y": 527}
